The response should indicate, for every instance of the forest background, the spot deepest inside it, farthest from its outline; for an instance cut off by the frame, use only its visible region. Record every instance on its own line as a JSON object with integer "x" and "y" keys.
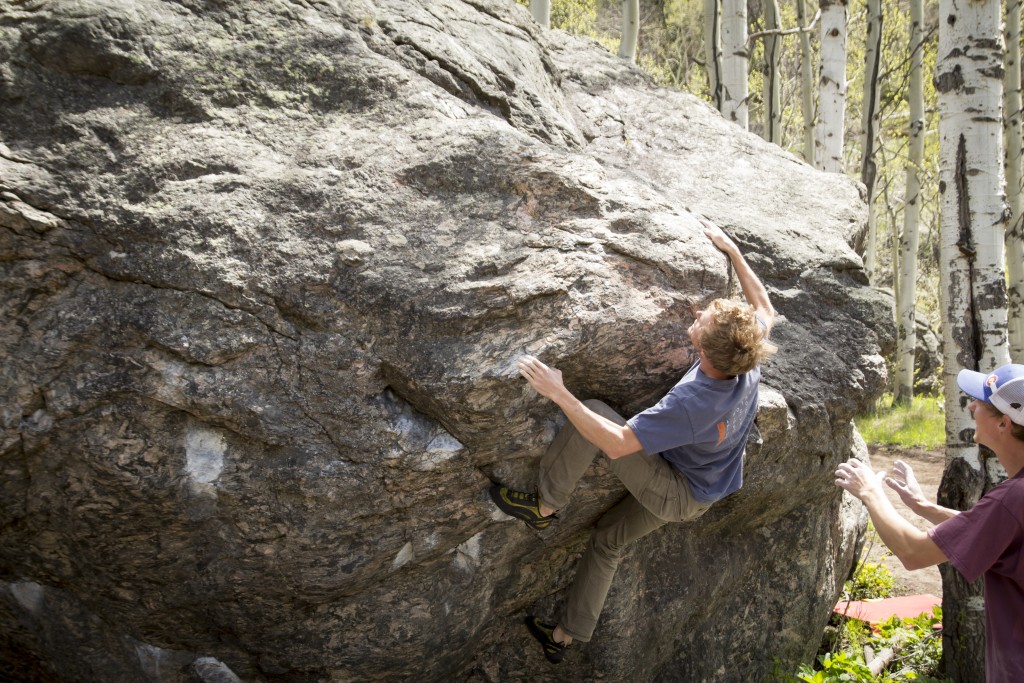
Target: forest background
{"x": 670, "y": 48}
{"x": 921, "y": 101}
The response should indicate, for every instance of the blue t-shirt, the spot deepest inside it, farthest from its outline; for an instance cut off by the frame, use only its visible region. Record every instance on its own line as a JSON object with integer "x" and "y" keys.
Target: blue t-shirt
{"x": 700, "y": 427}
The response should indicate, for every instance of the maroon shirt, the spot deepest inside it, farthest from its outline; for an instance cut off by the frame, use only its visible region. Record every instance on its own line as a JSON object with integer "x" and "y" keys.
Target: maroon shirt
{"x": 989, "y": 539}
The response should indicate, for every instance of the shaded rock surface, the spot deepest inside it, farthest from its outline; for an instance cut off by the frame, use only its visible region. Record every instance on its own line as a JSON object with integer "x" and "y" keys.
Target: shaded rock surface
{"x": 266, "y": 267}
{"x": 927, "y": 359}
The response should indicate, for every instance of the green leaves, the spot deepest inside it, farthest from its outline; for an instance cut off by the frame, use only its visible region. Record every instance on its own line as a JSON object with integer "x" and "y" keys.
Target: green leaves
{"x": 840, "y": 666}
{"x": 872, "y": 581}
{"x": 917, "y": 642}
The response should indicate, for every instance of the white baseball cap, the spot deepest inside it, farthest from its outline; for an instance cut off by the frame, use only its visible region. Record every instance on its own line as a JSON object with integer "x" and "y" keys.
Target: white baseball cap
{"x": 1003, "y": 388}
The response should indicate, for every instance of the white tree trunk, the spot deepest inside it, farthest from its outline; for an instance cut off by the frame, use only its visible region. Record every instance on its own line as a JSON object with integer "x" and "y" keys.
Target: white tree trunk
{"x": 1014, "y": 137}
{"x": 772, "y": 81}
{"x": 713, "y": 50}
{"x": 630, "y": 29}
{"x": 894, "y": 253}
{"x": 906, "y": 331}
{"x": 972, "y": 285}
{"x": 869, "y": 125}
{"x": 832, "y": 86}
{"x": 734, "y": 61}
{"x": 807, "y": 79}
{"x": 541, "y": 11}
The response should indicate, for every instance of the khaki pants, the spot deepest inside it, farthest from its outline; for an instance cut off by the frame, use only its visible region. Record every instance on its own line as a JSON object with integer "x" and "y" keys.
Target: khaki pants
{"x": 658, "y": 494}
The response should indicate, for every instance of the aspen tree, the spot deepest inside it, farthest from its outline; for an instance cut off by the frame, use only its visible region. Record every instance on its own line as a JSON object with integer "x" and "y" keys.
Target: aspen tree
{"x": 807, "y": 82}
{"x": 541, "y": 12}
{"x": 772, "y": 87}
{"x": 1012, "y": 134}
{"x": 630, "y": 29}
{"x": 869, "y": 125}
{"x": 713, "y": 50}
{"x": 734, "y": 61}
{"x": 906, "y": 319}
{"x": 832, "y": 86}
{"x": 972, "y": 285}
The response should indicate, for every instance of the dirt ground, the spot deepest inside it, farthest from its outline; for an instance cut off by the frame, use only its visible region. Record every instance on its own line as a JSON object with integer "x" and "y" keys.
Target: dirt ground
{"x": 927, "y": 467}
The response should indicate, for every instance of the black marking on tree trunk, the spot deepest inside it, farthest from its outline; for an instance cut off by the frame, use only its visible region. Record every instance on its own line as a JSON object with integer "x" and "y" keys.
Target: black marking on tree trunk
{"x": 965, "y": 241}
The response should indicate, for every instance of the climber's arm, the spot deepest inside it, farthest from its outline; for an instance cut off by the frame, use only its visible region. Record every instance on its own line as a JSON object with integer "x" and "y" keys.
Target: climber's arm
{"x": 614, "y": 439}
{"x": 753, "y": 289}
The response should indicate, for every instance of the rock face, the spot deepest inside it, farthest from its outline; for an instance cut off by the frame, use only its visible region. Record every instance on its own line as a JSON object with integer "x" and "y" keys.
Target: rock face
{"x": 265, "y": 270}
{"x": 927, "y": 359}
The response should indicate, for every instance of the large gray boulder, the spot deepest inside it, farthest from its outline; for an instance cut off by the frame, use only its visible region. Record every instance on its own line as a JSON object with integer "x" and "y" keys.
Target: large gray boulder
{"x": 265, "y": 269}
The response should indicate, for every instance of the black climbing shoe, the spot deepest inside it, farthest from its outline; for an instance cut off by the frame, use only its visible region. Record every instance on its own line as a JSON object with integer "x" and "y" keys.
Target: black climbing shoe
{"x": 520, "y": 505}
{"x": 544, "y": 633}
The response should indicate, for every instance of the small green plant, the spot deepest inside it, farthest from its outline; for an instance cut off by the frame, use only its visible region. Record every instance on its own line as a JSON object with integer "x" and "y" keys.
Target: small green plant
{"x": 836, "y": 667}
{"x": 920, "y": 646}
{"x": 871, "y": 581}
{"x": 916, "y": 643}
{"x": 920, "y": 423}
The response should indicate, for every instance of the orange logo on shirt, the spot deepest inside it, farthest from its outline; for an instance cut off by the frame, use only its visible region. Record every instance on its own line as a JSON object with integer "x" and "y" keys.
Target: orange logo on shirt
{"x": 721, "y": 431}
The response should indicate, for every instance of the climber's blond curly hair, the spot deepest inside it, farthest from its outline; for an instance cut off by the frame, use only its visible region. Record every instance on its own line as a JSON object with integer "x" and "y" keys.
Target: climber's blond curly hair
{"x": 735, "y": 343}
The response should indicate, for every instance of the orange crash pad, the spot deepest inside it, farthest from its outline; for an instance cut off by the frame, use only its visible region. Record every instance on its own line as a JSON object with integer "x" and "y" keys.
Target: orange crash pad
{"x": 877, "y": 612}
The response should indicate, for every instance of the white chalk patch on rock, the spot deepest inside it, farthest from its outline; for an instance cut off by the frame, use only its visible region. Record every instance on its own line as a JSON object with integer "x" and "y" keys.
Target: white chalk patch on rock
{"x": 420, "y": 442}
{"x": 404, "y": 556}
{"x": 151, "y": 658}
{"x": 499, "y": 516}
{"x": 29, "y": 595}
{"x": 212, "y": 670}
{"x": 467, "y": 555}
{"x": 204, "y": 454}
{"x": 441, "y": 449}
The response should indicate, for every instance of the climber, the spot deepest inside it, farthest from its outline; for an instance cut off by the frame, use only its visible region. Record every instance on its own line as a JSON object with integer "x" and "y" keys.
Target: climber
{"x": 675, "y": 459}
{"x": 988, "y": 539}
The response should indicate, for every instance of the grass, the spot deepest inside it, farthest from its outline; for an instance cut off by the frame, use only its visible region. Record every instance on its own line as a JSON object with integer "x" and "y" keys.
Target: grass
{"x": 921, "y": 424}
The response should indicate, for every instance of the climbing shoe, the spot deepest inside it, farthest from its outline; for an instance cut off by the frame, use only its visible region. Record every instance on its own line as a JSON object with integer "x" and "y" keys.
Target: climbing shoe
{"x": 544, "y": 633}
{"x": 520, "y": 505}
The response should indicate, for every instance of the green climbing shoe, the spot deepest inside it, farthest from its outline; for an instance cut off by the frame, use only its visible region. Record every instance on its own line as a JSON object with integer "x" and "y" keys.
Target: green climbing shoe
{"x": 520, "y": 505}
{"x": 544, "y": 633}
